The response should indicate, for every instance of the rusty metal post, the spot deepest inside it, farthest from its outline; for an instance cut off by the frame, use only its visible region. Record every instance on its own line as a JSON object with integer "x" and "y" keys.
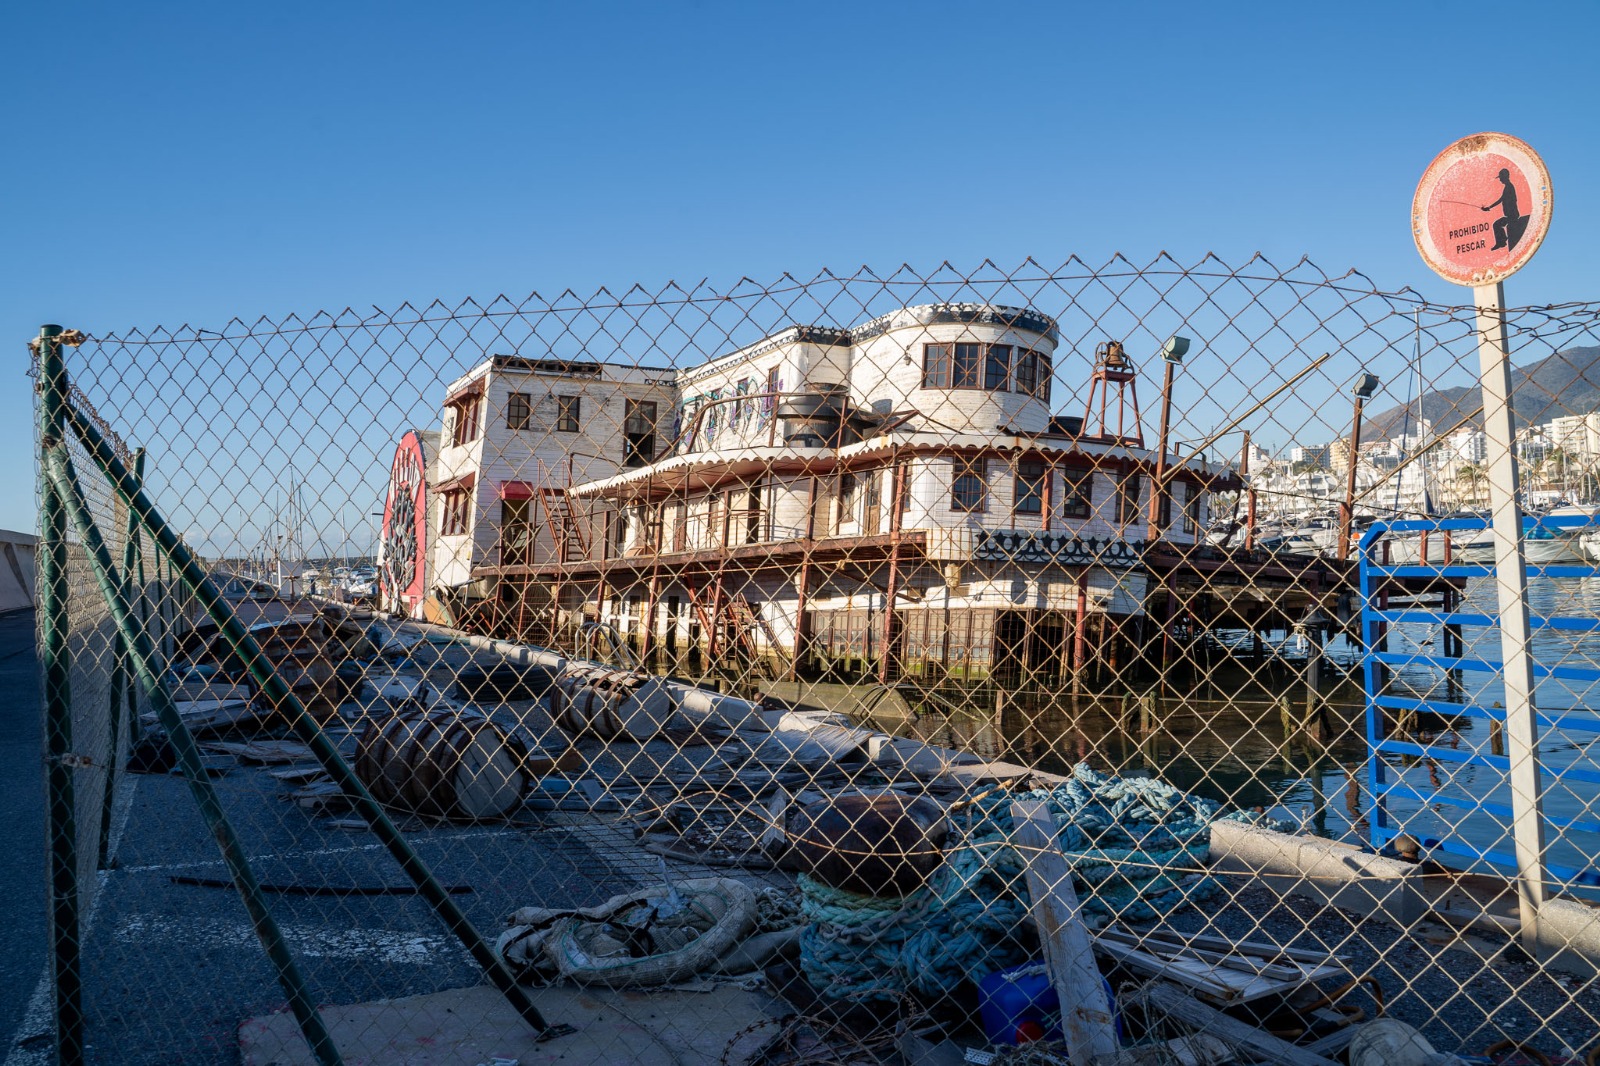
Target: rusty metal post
{"x": 892, "y": 586}
{"x": 1363, "y": 389}
{"x": 1171, "y": 356}
{"x": 803, "y": 582}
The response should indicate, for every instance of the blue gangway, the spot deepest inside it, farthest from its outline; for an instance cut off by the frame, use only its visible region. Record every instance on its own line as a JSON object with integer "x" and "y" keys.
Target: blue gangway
{"x": 1463, "y": 782}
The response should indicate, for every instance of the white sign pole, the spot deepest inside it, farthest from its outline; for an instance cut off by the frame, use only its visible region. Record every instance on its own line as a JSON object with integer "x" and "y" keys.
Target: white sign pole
{"x": 1511, "y": 584}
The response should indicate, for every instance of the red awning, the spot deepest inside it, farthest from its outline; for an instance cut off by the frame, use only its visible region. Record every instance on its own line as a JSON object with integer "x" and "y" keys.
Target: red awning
{"x": 516, "y": 490}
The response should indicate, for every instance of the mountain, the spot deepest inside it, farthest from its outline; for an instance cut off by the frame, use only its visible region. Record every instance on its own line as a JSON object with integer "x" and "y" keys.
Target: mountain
{"x": 1566, "y": 383}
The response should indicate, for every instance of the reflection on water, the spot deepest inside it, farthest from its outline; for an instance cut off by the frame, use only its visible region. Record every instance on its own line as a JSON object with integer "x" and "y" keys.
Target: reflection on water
{"x": 1232, "y": 743}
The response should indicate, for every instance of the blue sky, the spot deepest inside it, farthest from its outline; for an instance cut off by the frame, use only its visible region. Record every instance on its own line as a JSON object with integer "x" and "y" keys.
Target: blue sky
{"x": 177, "y": 163}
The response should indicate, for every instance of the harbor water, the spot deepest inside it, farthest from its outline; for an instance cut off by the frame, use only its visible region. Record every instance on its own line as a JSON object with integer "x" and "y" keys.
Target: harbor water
{"x": 1236, "y": 733}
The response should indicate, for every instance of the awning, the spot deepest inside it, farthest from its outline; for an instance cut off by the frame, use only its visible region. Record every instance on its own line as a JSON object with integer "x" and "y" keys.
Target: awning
{"x": 470, "y": 390}
{"x": 516, "y": 490}
{"x": 465, "y": 482}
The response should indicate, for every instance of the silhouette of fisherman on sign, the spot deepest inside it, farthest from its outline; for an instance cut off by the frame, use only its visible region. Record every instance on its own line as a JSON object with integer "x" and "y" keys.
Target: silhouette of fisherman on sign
{"x": 1510, "y": 226}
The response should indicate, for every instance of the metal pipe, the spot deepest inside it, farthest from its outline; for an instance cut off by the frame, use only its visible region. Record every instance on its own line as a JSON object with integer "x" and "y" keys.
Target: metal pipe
{"x": 53, "y": 592}
{"x": 278, "y": 695}
{"x": 886, "y": 655}
{"x": 1347, "y": 507}
{"x": 65, "y": 482}
{"x": 1516, "y": 634}
{"x": 1249, "y": 495}
{"x": 1408, "y": 460}
{"x": 1199, "y": 449}
{"x": 1159, "y": 489}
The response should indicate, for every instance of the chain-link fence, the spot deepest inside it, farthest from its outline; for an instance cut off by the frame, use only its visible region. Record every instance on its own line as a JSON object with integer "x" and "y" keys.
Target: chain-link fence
{"x": 823, "y": 671}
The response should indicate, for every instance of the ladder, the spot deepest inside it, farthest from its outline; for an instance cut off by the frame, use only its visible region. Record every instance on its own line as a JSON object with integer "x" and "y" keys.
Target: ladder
{"x": 566, "y": 533}
{"x": 743, "y": 619}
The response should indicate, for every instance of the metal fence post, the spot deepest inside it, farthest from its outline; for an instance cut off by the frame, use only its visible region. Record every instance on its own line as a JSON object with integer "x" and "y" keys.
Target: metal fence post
{"x": 53, "y": 632}
{"x": 1511, "y": 585}
{"x": 64, "y": 481}
{"x": 193, "y": 578}
{"x": 131, "y": 561}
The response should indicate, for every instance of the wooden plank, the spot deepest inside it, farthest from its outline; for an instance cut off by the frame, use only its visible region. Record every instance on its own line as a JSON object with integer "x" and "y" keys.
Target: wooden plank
{"x": 1085, "y": 1007}
{"x": 1176, "y": 1003}
{"x": 1220, "y": 976}
{"x": 1241, "y": 947}
{"x": 1140, "y": 962}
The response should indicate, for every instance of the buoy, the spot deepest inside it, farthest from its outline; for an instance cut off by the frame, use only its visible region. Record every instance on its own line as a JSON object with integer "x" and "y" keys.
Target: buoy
{"x": 879, "y": 843}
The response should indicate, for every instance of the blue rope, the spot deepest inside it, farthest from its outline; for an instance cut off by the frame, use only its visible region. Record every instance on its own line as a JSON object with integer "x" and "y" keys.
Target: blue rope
{"x": 1132, "y": 844}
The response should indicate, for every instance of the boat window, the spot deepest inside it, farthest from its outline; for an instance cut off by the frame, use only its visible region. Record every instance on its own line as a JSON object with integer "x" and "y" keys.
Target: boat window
{"x": 849, "y": 499}
{"x": 770, "y": 400}
{"x": 969, "y": 489}
{"x": 639, "y": 432}
{"x": 1033, "y": 374}
{"x": 465, "y": 430}
{"x": 519, "y": 410}
{"x": 516, "y": 532}
{"x": 1078, "y": 495}
{"x": 990, "y": 367}
{"x": 567, "y": 414}
{"x": 619, "y": 531}
{"x": 936, "y": 366}
{"x": 1191, "y": 509}
{"x": 964, "y": 367}
{"x": 997, "y": 368}
{"x": 457, "y": 512}
{"x": 1029, "y": 490}
{"x": 1128, "y": 498}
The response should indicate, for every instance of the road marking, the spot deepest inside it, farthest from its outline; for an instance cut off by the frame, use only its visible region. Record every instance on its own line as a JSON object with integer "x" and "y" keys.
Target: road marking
{"x": 277, "y": 856}
{"x": 371, "y": 945}
{"x": 37, "y": 1027}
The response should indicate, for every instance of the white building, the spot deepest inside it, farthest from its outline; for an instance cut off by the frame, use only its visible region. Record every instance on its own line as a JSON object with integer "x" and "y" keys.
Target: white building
{"x": 1577, "y": 435}
{"x": 516, "y": 433}
{"x": 1316, "y": 456}
{"x": 827, "y": 493}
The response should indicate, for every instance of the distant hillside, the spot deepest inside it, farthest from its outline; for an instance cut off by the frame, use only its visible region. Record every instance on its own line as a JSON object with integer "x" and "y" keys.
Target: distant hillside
{"x": 1565, "y": 383}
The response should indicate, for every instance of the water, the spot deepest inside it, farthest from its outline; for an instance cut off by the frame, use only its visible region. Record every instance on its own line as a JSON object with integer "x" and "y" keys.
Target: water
{"x": 1568, "y": 749}
{"x": 1226, "y": 739}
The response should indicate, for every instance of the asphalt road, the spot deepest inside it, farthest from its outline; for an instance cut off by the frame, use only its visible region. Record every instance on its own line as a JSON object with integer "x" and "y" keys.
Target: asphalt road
{"x": 171, "y": 967}
{"x": 22, "y": 945}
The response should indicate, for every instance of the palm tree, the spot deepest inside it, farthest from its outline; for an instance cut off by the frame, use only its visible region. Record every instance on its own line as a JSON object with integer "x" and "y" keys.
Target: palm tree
{"x": 1474, "y": 476}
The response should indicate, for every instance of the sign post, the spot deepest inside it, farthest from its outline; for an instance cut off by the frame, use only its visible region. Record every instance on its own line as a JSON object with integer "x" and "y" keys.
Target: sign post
{"x": 1480, "y": 211}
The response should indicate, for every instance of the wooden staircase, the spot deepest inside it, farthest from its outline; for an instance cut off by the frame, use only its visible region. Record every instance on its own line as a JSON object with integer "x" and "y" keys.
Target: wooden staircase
{"x": 736, "y": 620}
{"x": 567, "y": 534}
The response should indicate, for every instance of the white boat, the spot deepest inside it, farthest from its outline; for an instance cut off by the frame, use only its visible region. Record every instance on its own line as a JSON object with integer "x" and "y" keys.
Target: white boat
{"x": 1548, "y": 550}
{"x": 1466, "y": 546}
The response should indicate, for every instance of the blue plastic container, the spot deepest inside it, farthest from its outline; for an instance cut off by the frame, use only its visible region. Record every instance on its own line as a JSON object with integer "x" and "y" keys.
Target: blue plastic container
{"x": 1019, "y": 1005}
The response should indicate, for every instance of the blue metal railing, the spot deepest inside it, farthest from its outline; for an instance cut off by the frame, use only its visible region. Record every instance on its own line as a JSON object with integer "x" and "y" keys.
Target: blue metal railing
{"x": 1376, "y": 576}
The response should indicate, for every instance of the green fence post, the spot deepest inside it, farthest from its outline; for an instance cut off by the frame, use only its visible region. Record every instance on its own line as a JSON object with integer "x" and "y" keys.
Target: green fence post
{"x": 130, "y": 559}
{"x": 278, "y": 695}
{"x": 119, "y": 688}
{"x": 53, "y": 607}
{"x": 65, "y": 482}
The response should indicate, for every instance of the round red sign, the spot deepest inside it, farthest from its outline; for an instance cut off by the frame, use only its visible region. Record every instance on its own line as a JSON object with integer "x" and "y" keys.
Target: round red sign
{"x": 1482, "y": 209}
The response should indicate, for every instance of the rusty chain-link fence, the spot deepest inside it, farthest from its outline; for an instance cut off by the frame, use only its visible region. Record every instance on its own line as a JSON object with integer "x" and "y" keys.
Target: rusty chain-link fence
{"x": 736, "y": 675}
